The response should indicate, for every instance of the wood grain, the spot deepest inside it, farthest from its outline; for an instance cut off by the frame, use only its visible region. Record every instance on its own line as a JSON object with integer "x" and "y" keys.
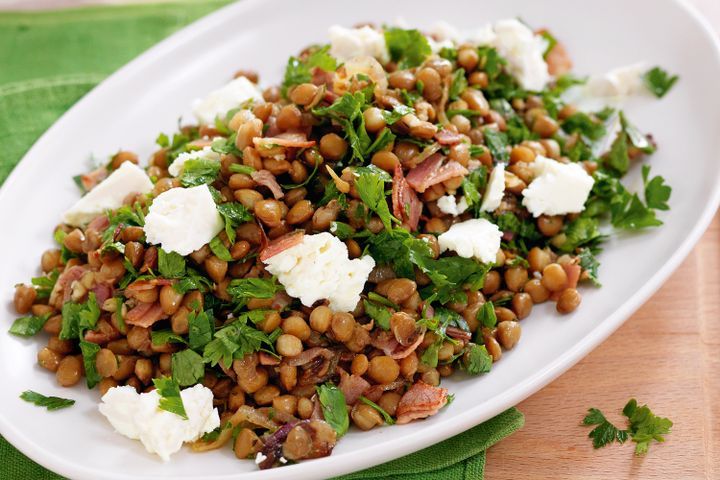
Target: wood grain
{"x": 666, "y": 355}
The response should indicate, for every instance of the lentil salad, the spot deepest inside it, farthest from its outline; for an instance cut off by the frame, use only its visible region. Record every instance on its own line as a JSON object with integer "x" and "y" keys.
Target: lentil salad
{"x": 385, "y": 158}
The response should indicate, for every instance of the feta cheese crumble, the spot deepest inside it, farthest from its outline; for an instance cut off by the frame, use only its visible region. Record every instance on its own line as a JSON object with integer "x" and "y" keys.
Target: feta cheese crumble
{"x": 495, "y": 189}
{"x": 138, "y": 417}
{"x": 447, "y": 204}
{"x": 319, "y": 268}
{"x": 613, "y": 88}
{"x": 183, "y": 219}
{"x": 219, "y": 102}
{"x": 109, "y": 194}
{"x": 524, "y": 52}
{"x": 513, "y": 40}
{"x": 477, "y": 238}
{"x": 175, "y": 169}
{"x": 557, "y": 189}
{"x": 347, "y": 43}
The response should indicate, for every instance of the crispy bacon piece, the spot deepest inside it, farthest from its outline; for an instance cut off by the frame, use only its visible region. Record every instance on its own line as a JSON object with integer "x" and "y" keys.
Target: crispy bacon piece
{"x": 61, "y": 291}
{"x": 102, "y": 292}
{"x": 281, "y": 244}
{"x": 145, "y": 314}
{"x": 98, "y": 224}
{"x": 446, "y": 137}
{"x": 90, "y": 180}
{"x": 267, "y": 179}
{"x": 420, "y": 401}
{"x": 573, "y": 273}
{"x": 352, "y": 386}
{"x": 150, "y": 260}
{"x": 288, "y": 139}
{"x": 406, "y": 204}
{"x": 458, "y": 334}
{"x": 558, "y": 60}
{"x": 431, "y": 172}
{"x": 103, "y": 333}
{"x": 386, "y": 342}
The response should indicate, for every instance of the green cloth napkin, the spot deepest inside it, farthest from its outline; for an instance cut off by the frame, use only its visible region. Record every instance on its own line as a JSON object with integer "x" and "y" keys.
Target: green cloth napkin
{"x": 48, "y": 61}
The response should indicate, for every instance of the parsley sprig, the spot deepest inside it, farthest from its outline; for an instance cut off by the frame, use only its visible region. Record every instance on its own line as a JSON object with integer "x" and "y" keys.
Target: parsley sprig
{"x": 643, "y": 427}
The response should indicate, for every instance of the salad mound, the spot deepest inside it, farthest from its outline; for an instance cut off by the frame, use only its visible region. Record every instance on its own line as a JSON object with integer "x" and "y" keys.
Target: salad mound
{"x": 322, "y": 253}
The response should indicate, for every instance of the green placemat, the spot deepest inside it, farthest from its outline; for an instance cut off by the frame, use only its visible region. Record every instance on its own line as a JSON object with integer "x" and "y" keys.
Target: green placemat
{"x": 48, "y": 61}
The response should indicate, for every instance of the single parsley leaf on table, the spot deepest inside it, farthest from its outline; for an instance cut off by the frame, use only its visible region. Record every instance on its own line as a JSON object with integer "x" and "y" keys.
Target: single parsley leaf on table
{"x": 643, "y": 427}
{"x": 51, "y": 403}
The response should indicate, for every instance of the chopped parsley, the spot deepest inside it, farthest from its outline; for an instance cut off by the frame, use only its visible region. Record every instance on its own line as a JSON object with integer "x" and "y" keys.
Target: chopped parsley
{"x": 77, "y": 317}
{"x": 234, "y": 214}
{"x": 476, "y": 359}
{"x": 188, "y": 368}
{"x": 379, "y": 313}
{"x": 29, "y": 325}
{"x": 409, "y": 48}
{"x": 235, "y": 341}
{"x": 371, "y": 187}
{"x": 348, "y": 112}
{"x": 199, "y": 171}
{"x": 300, "y": 71}
{"x": 51, "y": 403}
{"x": 89, "y": 352}
{"x": 643, "y": 427}
{"x": 334, "y": 411}
{"x": 659, "y": 81}
{"x": 170, "y": 399}
{"x": 171, "y": 264}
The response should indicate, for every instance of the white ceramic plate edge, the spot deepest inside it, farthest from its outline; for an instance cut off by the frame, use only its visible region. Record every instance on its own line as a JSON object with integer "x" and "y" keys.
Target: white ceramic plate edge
{"x": 443, "y": 430}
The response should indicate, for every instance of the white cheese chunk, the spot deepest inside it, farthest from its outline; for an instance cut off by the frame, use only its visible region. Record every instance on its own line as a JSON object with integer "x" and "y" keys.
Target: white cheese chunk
{"x": 523, "y": 51}
{"x": 219, "y": 102}
{"x": 476, "y": 238}
{"x": 619, "y": 82}
{"x": 183, "y": 219}
{"x": 613, "y": 88}
{"x": 557, "y": 189}
{"x": 447, "y": 204}
{"x": 444, "y": 32}
{"x": 347, "y": 43}
{"x": 138, "y": 417}
{"x": 495, "y": 189}
{"x": 319, "y": 268}
{"x": 205, "y": 153}
{"x": 109, "y": 194}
